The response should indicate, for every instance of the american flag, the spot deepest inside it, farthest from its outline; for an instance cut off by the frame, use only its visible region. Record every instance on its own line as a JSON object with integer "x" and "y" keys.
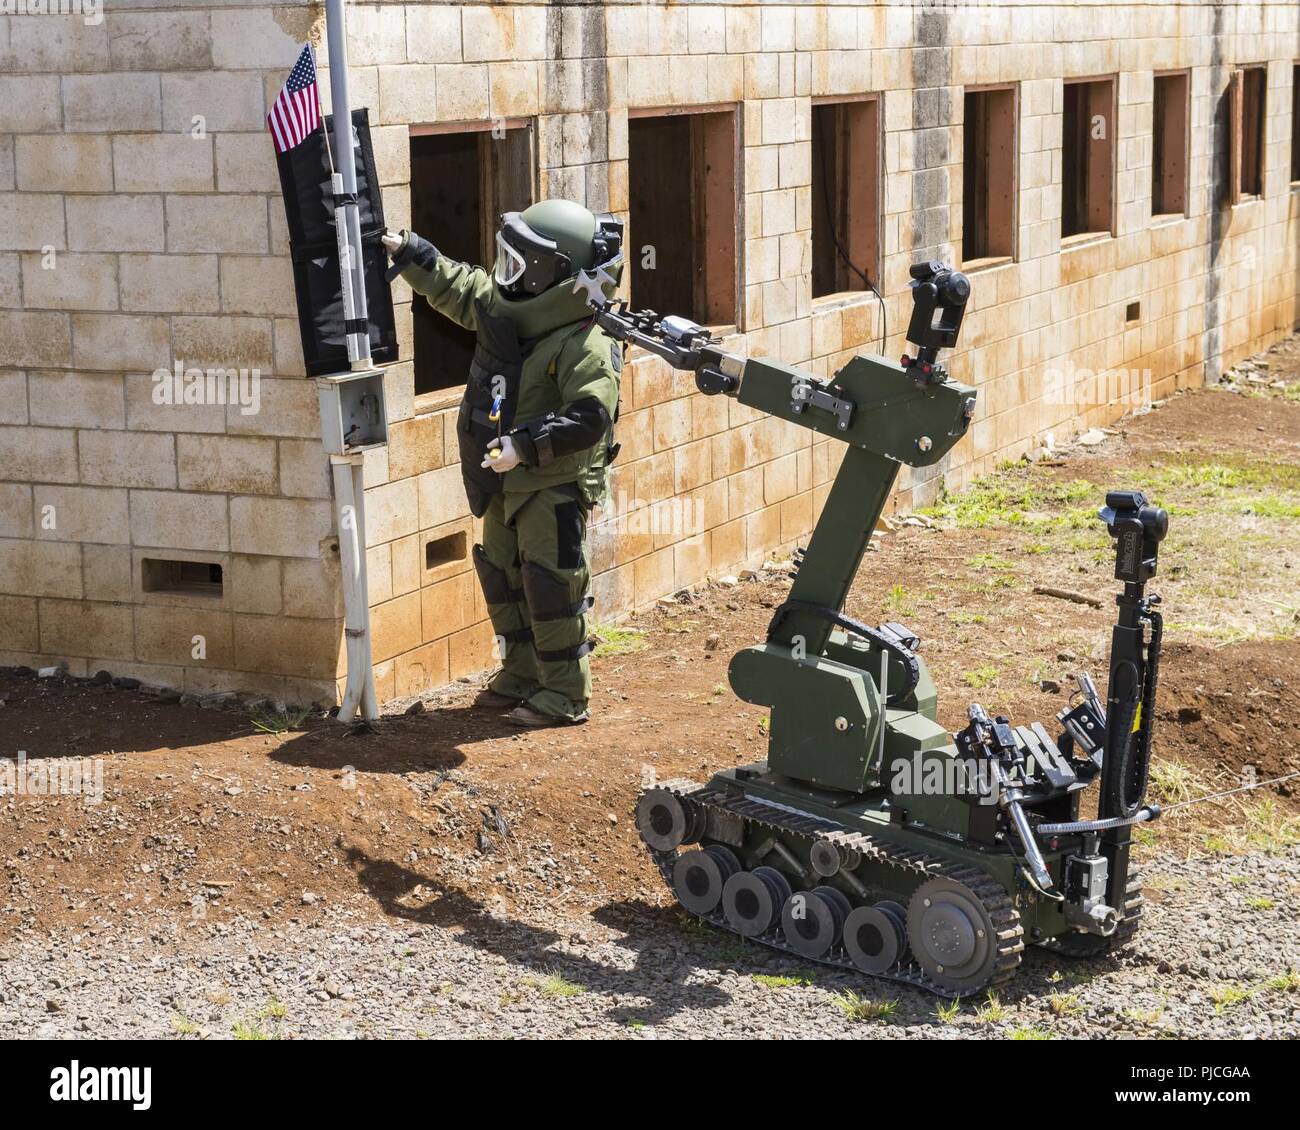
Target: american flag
{"x": 296, "y": 112}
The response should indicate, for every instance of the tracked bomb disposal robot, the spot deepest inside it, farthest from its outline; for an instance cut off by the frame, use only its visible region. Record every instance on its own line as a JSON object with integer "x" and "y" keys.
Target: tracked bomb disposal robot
{"x": 840, "y": 847}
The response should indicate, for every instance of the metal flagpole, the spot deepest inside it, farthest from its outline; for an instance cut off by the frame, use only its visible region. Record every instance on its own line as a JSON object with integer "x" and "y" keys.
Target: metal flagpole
{"x": 351, "y": 267}
{"x": 348, "y": 469}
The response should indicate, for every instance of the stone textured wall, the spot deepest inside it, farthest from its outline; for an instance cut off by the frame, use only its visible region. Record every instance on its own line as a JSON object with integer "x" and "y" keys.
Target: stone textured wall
{"x": 172, "y": 246}
{"x": 132, "y": 236}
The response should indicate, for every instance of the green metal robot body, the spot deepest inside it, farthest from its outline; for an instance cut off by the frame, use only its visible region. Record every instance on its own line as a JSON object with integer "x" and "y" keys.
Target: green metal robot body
{"x": 872, "y": 838}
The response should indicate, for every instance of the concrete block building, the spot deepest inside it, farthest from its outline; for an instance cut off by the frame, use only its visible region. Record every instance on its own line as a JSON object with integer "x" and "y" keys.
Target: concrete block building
{"x": 1121, "y": 180}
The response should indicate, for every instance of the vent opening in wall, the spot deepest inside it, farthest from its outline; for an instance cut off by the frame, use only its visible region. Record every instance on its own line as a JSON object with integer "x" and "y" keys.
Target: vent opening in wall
{"x": 195, "y": 578}
{"x": 444, "y": 550}
{"x": 1132, "y": 312}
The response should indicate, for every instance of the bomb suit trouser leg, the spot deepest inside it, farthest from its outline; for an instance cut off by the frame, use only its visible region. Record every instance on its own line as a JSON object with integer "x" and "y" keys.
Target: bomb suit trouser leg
{"x": 551, "y": 526}
{"x": 498, "y": 565}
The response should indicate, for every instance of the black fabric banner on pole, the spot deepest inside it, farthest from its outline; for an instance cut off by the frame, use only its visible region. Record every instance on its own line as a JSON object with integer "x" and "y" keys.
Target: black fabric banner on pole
{"x": 309, "y": 211}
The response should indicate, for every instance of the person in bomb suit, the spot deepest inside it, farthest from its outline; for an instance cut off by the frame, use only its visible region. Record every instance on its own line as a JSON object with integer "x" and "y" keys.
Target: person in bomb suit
{"x": 535, "y": 433}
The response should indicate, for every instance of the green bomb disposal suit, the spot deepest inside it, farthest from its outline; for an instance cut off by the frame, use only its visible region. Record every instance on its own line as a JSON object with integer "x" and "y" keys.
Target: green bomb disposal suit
{"x": 546, "y": 376}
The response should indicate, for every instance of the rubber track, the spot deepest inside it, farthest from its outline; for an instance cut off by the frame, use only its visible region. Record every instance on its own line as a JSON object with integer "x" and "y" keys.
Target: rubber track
{"x": 916, "y": 864}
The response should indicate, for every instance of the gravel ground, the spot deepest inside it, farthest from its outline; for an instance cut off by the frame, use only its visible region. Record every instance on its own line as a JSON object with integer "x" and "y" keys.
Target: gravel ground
{"x": 1210, "y": 961}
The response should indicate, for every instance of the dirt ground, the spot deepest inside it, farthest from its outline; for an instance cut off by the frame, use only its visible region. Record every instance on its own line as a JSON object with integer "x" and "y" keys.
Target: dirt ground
{"x": 206, "y": 817}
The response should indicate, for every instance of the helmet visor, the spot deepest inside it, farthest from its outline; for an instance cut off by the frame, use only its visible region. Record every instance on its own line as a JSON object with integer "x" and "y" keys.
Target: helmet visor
{"x": 510, "y": 264}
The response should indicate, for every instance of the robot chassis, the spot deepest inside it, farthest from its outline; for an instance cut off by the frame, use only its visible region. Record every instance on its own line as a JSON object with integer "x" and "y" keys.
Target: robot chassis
{"x": 870, "y": 839}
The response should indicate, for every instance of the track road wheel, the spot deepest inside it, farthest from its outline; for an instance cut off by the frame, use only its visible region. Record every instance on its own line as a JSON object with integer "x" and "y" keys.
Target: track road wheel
{"x": 700, "y": 875}
{"x": 666, "y": 821}
{"x": 1076, "y": 944}
{"x": 963, "y": 936}
{"x": 813, "y": 921}
{"x": 876, "y": 936}
{"x": 752, "y": 900}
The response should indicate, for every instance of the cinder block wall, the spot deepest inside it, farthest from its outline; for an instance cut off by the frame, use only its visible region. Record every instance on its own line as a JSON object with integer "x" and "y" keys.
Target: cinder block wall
{"x": 141, "y": 224}
{"x": 172, "y": 246}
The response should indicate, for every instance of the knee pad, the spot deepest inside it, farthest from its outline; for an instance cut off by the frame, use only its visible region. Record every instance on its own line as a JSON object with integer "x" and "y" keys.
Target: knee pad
{"x": 494, "y": 581}
{"x": 548, "y": 596}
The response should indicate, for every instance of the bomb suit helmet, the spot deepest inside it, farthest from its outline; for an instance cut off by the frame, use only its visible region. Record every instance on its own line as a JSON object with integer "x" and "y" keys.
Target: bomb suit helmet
{"x": 549, "y": 242}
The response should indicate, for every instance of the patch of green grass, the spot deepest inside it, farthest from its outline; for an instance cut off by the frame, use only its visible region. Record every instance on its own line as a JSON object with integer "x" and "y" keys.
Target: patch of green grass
{"x": 1269, "y": 829}
{"x": 280, "y": 721}
{"x": 991, "y": 561}
{"x": 1217, "y": 845}
{"x": 899, "y": 602}
{"x": 635, "y": 1024}
{"x": 1288, "y": 982}
{"x": 1228, "y": 996}
{"x": 992, "y": 1010}
{"x": 993, "y": 583}
{"x": 249, "y": 1030}
{"x": 1172, "y": 780}
{"x": 275, "y": 1009}
{"x": 613, "y": 640}
{"x": 1020, "y": 496}
{"x": 982, "y": 676}
{"x": 863, "y": 1008}
{"x": 1224, "y": 473}
{"x": 1239, "y": 880}
{"x": 783, "y": 980}
{"x": 1064, "y": 1004}
{"x": 765, "y": 723}
{"x": 555, "y": 985}
{"x": 1260, "y": 902}
{"x": 1029, "y": 1032}
{"x": 946, "y": 1011}
{"x": 1268, "y": 506}
{"x": 1213, "y": 478}
{"x": 696, "y": 927}
{"x": 1144, "y": 1015}
{"x": 182, "y": 1025}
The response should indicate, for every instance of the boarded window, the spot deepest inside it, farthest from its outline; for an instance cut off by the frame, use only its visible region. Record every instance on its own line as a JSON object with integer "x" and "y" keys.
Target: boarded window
{"x": 1248, "y": 130}
{"x": 460, "y": 184}
{"x": 989, "y": 175}
{"x": 1088, "y": 157}
{"x": 682, "y": 214}
{"x": 845, "y": 196}
{"x": 1169, "y": 145}
{"x": 1295, "y": 122}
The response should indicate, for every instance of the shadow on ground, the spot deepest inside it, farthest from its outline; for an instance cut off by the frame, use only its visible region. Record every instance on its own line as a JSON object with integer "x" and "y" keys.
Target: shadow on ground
{"x": 394, "y": 887}
{"x": 437, "y": 740}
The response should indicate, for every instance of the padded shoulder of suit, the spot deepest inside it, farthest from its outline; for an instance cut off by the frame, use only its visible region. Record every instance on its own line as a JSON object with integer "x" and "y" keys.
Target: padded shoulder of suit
{"x": 592, "y": 342}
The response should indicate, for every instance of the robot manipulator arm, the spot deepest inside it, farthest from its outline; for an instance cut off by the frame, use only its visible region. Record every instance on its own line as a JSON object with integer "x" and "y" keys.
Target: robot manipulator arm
{"x": 684, "y": 344}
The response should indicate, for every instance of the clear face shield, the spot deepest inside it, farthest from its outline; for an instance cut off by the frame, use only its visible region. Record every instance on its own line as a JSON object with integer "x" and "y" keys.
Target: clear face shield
{"x": 510, "y": 264}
